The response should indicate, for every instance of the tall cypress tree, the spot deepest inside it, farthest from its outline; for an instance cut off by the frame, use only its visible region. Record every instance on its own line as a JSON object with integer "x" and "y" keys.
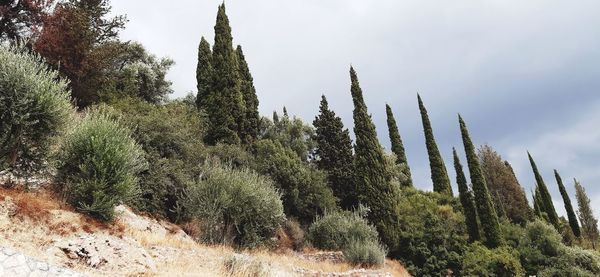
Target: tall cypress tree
{"x": 375, "y": 190}
{"x": 466, "y": 200}
{"x": 225, "y": 103}
{"x": 546, "y": 200}
{"x": 439, "y": 175}
{"x": 568, "y": 207}
{"x": 251, "y": 118}
{"x": 334, "y": 149}
{"x": 204, "y": 73}
{"x": 485, "y": 207}
{"x": 537, "y": 204}
{"x": 397, "y": 145}
{"x": 589, "y": 223}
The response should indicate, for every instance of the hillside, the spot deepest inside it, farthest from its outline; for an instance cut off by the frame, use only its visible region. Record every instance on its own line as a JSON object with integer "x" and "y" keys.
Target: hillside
{"x": 36, "y": 224}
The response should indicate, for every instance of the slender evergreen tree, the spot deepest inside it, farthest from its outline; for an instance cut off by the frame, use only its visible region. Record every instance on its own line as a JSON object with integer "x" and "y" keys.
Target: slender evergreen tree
{"x": 225, "y": 102}
{"x": 466, "y": 200}
{"x": 375, "y": 190}
{"x": 439, "y": 175}
{"x": 568, "y": 207}
{"x": 485, "y": 208}
{"x": 546, "y": 200}
{"x": 251, "y": 118}
{"x": 397, "y": 145}
{"x": 204, "y": 73}
{"x": 536, "y": 203}
{"x": 589, "y": 223}
{"x": 334, "y": 151}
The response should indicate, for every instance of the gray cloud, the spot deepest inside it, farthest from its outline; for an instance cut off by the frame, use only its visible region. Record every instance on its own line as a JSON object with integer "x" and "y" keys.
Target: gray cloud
{"x": 524, "y": 74}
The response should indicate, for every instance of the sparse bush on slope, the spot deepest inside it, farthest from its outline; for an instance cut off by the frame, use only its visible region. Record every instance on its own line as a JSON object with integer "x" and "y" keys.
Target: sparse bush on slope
{"x": 34, "y": 108}
{"x": 98, "y": 164}
{"x": 479, "y": 261}
{"x": 235, "y": 206}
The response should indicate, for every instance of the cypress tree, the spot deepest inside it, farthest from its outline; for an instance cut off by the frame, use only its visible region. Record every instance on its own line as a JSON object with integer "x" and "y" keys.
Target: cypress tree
{"x": 466, "y": 200}
{"x": 334, "y": 149}
{"x": 397, "y": 145}
{"x": 536, "y": 203}
{"x": 568, "y": 207}
{"x": 204, "y": 73}
{"x": 224, "y": 105}
{"x": 483, "y": 201}
{"x": 275, "y": 117}
{"x": 439, "y": 175}
{"x": 546, "y": 200}
{"x": 589, "y": 223}
{"x": 375, "y": 190}
{"x": 251, "y": 118}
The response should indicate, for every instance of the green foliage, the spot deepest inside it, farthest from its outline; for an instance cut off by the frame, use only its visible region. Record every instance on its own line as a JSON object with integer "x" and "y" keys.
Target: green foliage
{"x": 98, "y": 164}
{"x": 235, "y": 206}
{"x": 568, "y": 207}
{"x": 589, "y": 223}
{"x": 249, "y": 126}
{"x": 545, "y": 199}
{"x": 291, "y": 132}
{"x": 34, "y": 109}
{"x": 480, "y": 261}
{"x": 337, "y": 230}
{"x": 204, "y": 74}
{"x": 507, "y": 194}
{"x": 334, "y": 154}
{"x": 439, "y": 175}
{"x": 397, "y": 145}
{"x": 365, "y": 253}
{"x": 485, "y": 209}
{"x": 304, "y": 188}
{"x": 511, "y": 232}
{"x": 431, "y": 236}
{"x": 466, "y": 200}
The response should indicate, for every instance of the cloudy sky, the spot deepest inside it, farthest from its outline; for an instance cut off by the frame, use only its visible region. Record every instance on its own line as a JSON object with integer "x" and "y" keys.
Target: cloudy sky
{"x": 525, "y": 75}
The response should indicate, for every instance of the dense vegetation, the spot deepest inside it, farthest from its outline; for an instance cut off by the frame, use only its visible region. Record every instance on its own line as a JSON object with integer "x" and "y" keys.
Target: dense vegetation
{"x": 211, "y": 163}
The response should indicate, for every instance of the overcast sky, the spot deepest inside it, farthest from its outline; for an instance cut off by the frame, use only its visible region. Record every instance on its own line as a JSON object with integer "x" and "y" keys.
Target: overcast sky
{"x": 525, "y": 75}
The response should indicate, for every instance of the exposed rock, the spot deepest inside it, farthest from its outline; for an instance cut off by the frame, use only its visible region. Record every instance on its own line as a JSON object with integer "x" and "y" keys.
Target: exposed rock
{"x": 15, "y": 265}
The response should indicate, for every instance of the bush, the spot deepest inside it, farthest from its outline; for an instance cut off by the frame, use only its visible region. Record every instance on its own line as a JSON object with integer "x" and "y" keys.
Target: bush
{"x": 539, "y": 247}
{"x": 34, "y": 109}
{"x": 235, "y": 206}
{"x": 306, "y": 193}
{"x": 295, "y": 233}
{"x": 336, "y": 230}
{"x": 244, "y": 266}
{"x": 98, "y": 164}
{"x": 481, "y": 261}
{"x": 573, "y": 261}
{"x": 364, "y": 252}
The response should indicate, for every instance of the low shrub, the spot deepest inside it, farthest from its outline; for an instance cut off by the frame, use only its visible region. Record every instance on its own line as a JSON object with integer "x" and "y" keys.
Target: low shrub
{"x": 336, "y": 230}
{"x": 236, "y": 207}
{"x": 35, "y": 109}
{"x": 479, "y": 261}
{"x": 239, "y": 265}
{"x": 364, "y": 253}
{"x": 98, "y": 164}
{"x": 295, "y": 233}
{"x": 539, "y": 247}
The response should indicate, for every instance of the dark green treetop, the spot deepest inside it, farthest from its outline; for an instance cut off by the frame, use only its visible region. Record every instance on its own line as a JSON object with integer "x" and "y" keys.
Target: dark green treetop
{"x": 466, "y": 199}
{"x": 568, "y": 206}
{"x": 397, "y": 145}
{"x": 251, "y": 118}
{"x": 204, "y": 73}
{"x": 545, "y": 199}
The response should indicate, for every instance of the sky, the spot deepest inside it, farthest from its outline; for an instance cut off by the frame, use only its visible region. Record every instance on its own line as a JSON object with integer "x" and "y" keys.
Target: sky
{"x": 525, "y": 75}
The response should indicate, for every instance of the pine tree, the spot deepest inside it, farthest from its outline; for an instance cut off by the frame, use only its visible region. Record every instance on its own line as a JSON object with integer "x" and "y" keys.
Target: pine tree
{"x": 439, "y": 175}
{"x": 397, "y": 145}
{"x": 466, "y": 200}
{"x": 568, "y": 207}
{"x": 589, "y": 223}
{"x": 251, "y": 118}
{"x": 334, "y": 151}
{"x": 224, "y": 105}
{"x": 375, "y": 190}
{"x": 204, "y": 73}
{"x": 546, "y": 200}
{"x": 485, "y": 208}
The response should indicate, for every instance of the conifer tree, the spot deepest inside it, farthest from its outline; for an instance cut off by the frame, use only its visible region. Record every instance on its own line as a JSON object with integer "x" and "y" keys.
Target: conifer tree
{"x": 545, "y": 199}
{"x": 439, "y": 175}
{"x": 225, "y": 103}
{"x": 204, "y": 73}
{"x": 275, "y": 117}
{"x": 334, "y": 151}
{"x": 589, "y": 223}
{"x": 485, "y": 208}
{"x": 251, "y": 118}
{"x": 466, "y": 200}
{"x": 375, "y": 190}
{"x": 536, "y": 203}
{"x": 397, "y": 145}
{"x": 568, "y": 207}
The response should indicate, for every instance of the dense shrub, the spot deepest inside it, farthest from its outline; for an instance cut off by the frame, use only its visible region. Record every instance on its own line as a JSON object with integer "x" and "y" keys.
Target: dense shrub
{"x": 34, "y": 108}
{"x": 235, "y": 206}
{"x": 304, "y": 188}
{"x": 98, "y": 164}
{"x": 364, "y": 252}
{"x": 336, "y": 230}
{"x": 539, "y": 246}
{"x": 431, "y": 237}
{"x": 480, "y": 261}
{"x": 512, "y": 232}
